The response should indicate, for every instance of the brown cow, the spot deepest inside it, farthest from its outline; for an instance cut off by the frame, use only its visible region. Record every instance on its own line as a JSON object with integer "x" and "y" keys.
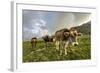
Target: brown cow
{"x": 47, "y": 39}
{"x": 65, "y": 37}
{"x": 34, "y": 42}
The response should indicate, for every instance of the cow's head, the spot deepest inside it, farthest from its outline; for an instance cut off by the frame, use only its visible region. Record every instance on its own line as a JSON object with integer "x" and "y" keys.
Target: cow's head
{"x": 72, "y": 36}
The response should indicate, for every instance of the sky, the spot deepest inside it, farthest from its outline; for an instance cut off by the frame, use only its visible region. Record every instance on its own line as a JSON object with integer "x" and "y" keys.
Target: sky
{"x": 40, "y": 23}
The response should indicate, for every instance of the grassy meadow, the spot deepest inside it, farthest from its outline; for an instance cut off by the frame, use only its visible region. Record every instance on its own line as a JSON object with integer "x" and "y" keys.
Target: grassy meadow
{"x": 41, "y": 54}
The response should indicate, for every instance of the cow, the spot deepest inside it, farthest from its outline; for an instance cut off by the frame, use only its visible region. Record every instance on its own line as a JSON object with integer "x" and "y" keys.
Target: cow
{"x": 64, "y": 38}
{"x": 47, "y": 39}
{"x": 33, "y": 42}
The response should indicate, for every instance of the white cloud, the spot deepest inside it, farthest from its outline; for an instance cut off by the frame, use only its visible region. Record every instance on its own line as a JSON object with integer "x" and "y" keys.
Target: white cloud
{"x": 45, "y": 32}
{"x": 40, "y": 23}
{"x": 35, "y": 29}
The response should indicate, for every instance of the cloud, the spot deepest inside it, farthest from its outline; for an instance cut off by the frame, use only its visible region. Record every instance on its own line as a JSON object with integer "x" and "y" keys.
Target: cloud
{"x": 36, "y": 28}
{"x": 40, "y": 23}
{"x": 70, "y": 19}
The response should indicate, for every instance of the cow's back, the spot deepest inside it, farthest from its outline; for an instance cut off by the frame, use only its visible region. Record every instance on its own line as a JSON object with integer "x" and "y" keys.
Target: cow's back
{"x": 59, "y": 35}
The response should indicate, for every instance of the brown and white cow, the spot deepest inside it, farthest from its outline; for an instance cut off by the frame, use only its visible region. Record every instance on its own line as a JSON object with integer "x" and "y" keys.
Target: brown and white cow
{"x": 34, "y": 42}
{"x": 64, "y": 38}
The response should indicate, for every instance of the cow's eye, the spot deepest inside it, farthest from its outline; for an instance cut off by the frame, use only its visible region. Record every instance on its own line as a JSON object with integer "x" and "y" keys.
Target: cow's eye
{"x": 75, "y": 34}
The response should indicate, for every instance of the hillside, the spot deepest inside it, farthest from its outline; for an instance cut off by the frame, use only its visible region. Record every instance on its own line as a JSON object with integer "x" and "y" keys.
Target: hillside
{"x": 84, "y": 28}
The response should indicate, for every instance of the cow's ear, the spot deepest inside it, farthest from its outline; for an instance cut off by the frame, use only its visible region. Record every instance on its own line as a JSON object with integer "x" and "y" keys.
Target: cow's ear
{"x": 66, "y": 33}
{"x": 79, "y": 34}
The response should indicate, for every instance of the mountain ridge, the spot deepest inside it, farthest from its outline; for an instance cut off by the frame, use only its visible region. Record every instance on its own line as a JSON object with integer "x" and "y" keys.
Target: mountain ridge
{"x": 85, "y": 28}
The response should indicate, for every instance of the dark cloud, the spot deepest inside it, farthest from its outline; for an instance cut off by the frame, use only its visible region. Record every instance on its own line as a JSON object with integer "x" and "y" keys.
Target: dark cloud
{"x": 39, "y": 23}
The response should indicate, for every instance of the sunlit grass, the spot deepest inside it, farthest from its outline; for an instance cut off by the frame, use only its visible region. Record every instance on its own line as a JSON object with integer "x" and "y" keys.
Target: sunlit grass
{"x": 41, "y": 53}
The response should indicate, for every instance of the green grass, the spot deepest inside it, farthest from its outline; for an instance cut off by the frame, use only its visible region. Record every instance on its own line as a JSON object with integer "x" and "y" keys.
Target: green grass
{"x": 40, "y": 53}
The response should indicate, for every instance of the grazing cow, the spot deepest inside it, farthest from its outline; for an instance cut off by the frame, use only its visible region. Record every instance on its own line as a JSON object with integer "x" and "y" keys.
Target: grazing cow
{"x": 34, "y": 42}
{"x": 65, "y": 37}
{"x": 47, "y": 39}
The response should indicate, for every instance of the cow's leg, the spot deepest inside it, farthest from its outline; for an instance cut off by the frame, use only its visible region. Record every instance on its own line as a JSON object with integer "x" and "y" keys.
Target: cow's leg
{"x": 57, "y": 45}
{"x": 32, "y": 45}
{"x": 61, "y": 51}
{"x": 62, "y": 47}
{"x": 65, "y": 47}
{"x": 46, "y": 45}
{"x": 35, "y": 44}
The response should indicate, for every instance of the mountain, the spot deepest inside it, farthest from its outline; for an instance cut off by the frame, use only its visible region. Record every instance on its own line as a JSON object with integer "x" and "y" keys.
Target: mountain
{"x": 84, "y": 28}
